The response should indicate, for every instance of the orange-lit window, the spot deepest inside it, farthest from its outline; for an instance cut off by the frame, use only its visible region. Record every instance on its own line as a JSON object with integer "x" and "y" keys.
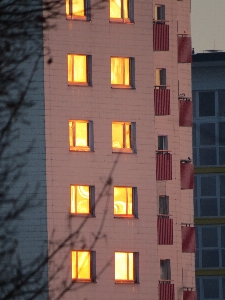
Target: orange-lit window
{"x": 81, "y": 199}
{"x": 80, "y": 135}
{"x": 126, "y": 267}
{"x": 122, "y": 72}
{"x": 78, "y": 9}
{"x": 79, "y": 69}
{"x": 125, "y": 202}
{"x": 123, "y": 137}
{"x": 83, "y": 268}
{"x": 159, "y": 12}
{"x": 121, "y": 10}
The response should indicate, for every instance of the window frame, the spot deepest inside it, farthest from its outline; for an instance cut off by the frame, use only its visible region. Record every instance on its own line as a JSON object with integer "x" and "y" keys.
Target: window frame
{"x": 165, "y": 270}
{"x": 90, "y": 136}
{"x": 131, "y": 74}
{"x": 122, "y": 19}
{"x": 159, "y": 13}
{"x": 164, "y": 205}
{"x": 162, "y": 143}
{"x": 132, "y": 127}
{"x": 160, "y": 79}
{"x": 135, "y": 268}
{"x": 134, "y": 213}
{"x": 92, "y": 266}
{"x": 88, "y": 81}
{"x": 87, "y": 11}
{"x": 91, "y": 199}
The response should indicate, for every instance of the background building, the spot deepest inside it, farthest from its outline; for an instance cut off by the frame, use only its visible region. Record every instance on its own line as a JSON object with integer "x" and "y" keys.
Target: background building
{"x": 208, "y": 72}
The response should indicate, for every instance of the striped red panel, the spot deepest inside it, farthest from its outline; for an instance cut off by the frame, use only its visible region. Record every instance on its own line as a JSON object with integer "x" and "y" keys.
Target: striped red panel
{"x": 184, "y": 49}
{"x": 166, "y": 291}
{"x": 187, "y": 176}
{"x": 165, "y": 231}
{"x": 160, "y": 37}
{"x": 163, "y": 166}
{"x": 188, "y": 239}
{"x": 189, "y": 295}
{"x": 162, "y": 101}
{"x": 185, "y": 118}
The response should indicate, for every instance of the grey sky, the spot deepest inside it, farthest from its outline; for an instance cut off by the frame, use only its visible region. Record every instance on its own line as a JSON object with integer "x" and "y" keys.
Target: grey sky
{"x": 208, "y": 25}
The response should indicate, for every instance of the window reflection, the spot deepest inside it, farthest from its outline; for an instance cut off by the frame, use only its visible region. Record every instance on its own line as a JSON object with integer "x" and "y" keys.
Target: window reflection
{"x": 78, "y": 135}
{"x": 123, "y": 201}
{"x": 80, "y": 199}
{"x": 77, "y": 68}
{"x": 124, "y": 266}
{"x": 81, "y": 262}
{"x": 121, "y": 136}
{"x": 120, "y": 71}
{"x": 119, "y": 9}
{"x": 75, "y": 8}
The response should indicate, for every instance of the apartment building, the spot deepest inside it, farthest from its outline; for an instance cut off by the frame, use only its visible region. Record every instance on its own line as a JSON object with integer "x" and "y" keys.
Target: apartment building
{"x": 114, "y": 156}
{"x": 208, "y": 70}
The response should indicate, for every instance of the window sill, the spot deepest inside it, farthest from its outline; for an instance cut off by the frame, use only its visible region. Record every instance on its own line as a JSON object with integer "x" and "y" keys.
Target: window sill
{"x": 80, "y": 149}
{"x": 128, "y": 151}
{"x": 82, "y": 215}
{"x": 125, "y": 281}
{"x": 77, "y": 18}
{"x": 121, "y": 21}
{"x": 79, "y": 84}
{"x": 83, "y": 280}
{"x": 126, "y": 87}
{"x": 125, "y": 217}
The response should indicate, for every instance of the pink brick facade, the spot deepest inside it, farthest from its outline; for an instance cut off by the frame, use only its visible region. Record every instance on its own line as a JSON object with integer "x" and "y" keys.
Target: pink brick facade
{"x": 103, "y": 105}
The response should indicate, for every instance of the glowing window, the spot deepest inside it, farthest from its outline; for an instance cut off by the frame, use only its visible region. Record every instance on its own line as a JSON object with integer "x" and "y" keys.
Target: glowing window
{"x": 122, "y": 72}
{"x": 79, "y": 69}
{"x": 83, "y": 265}
{"x": 80, "y": 135}
{"x": 123, "y": 137}
{"x": 125, "y": 201}
{"x": 126, "y": 267}
{"x": 121, "y": 10}
{"x": 81, "y": 199}
{"x": 78, "y": 9}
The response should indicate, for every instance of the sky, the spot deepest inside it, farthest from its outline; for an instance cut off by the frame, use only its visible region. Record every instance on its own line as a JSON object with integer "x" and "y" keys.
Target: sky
{"x": 208, "y": 25}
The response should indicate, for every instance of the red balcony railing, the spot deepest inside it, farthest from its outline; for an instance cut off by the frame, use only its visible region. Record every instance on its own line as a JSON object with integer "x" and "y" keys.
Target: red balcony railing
{"x": 165, "y": 230}
{"x": 185, "y": 112}
{"x": 187, "y": 175}
{"x": 184, "y": 49}
{"x": 161, "y": 101}
{"x": 163, "y": 166}
{"x": 166, "y": 290}
{"x": 188, "y": 239}
{"x": 160, "y": 37}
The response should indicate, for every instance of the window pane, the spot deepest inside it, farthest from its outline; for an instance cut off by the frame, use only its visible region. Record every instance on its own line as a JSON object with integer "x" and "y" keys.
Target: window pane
{"x": 67, "y": 8}
{"x": 207, "y": 156}
{"x": 208, "y": 207}
{"x": 194, "y": 134}
{"x": 131, "y": 266}
{"x": 210, "y": 258}
{"x": 81, "y": 265}
{"x": 222, "y": 185}
{"x": 208, "y": 186}
{"x": 121, "y": 266}
{"x": 223, "y": 236}
{"x": 222, "y": 133}
{"x": 78, "y": 7}
{"x": 70, "y": 67}
{"x": 222, "y": 206}
{"x": 221, "y": 100}
{"x": 81, "y": 134}
{"x": 115, "y": 9}
{"x": 84, "y": 271}
{"x": 197, "y": 259}
{"x": 222, "y": 155}
{"x": 80, "y": 68}
{"x": 206, "y": 104}
{"x": 117, "y": 135}
{"x": 120, "y": 73}
{"x": 211, "y": 288}
{"x": 223, "y": 258}
{"x": 80, "y": 199}
{"x": 71, "y": 134}
{"x": 125, "y": 9}
{"x": 128, "y": 144}
{"x": 122, "y": 200}
{"x": 223, "y": 286}
{"x": 209, "y": 237}
{"x": 207, "y": 134}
